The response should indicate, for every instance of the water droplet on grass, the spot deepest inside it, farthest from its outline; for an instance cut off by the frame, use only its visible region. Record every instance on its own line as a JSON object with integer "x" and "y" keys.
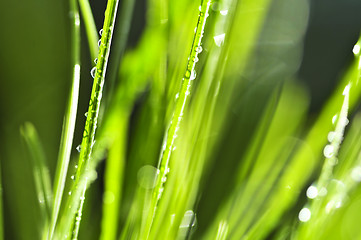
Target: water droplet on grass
{"x": 304, "y": 215}
{"x": 356, "y": 49}
{"x": 78, "y": 148}
{"x": 99, "y": 42}
{"x": 69, "y": 193}
{"x": 328, "y": 151}
{"x": 219, "y": 39}
{"x": 193, "y": 75}
{"x": 86, "y": 114}
{"x": 189, "y": 219}
{"x": 331, "y": 135}
{"x": 312, "y": 192}
{"x": 177, "y": 96}
{"x": 223, "y": 12}
{"x": 200, "y": 8}
{"x": 199, "y": 49}
{"x": 101, "y": 32}
{"x": 96, "y": 60}
{"x": 72, "y": 177}
{"x": 93, "y": 71}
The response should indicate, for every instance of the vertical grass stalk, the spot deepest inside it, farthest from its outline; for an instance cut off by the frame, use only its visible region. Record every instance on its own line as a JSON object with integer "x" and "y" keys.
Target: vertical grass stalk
{"x": 90, "y": 28}
{"x": 93, "y": 110}
{"x": 171, "y": 135}
{"x": 69, "y": 119}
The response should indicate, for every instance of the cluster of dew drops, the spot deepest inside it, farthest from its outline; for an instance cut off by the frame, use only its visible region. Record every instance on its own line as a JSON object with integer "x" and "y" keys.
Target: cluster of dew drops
{"x": 94, "y": 69}
{"x": 313, "y": 192}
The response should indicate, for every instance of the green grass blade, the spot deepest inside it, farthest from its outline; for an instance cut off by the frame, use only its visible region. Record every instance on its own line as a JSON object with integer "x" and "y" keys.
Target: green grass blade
{"x": 114, "y": 176}
{"x": 90, "y": 28}
{"x": 171, "y": 135}
{"x": 40, "y": 171}
{"x": 69, "y": 119}
{"x": 70, "y": 226}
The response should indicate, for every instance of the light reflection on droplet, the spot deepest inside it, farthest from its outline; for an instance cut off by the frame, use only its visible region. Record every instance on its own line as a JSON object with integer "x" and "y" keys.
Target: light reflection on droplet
{"x": 356, "y": 49}
{"x": 346, "y": 91}
{"x": 224, "y": 12}
{"x": 312, "y": 192}
{"x": 189, "y": 219}
{"x": 334, "y": 119}
{"x": 328, "y": 151}
{"x": 304, "y": 215}
{"x": 219, "y": 39}
{"x": 331, "y": 135}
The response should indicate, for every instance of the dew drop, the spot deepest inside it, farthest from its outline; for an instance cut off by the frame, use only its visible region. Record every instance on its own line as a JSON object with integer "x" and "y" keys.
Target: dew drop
{"x": 219, "y": 39}
{"x": 187, "y": 93}
{"x": 304, "y": 215}
{"x": 223, "y": 12}
{"x": 69, "y": 193}
{"x": 78, "y": 148}
{"x": 356, "y": 49}
{"x": 99, "y": 42}
{"x": 189, "y": 219}
{"x": 199, "y": 49}
{"x": 356, "y": 174}
{"x": 312, "y": 192}
{"x": 195, "y": 59}
{"x": 76, "y": 166}
{"x": 193, "y": 75}
{"x": 101, "y": 32}
{"x": 72, "y": 177}
{"x": 93, "y": 71}
{"x": 96, "y": 60}
{"x": 86, "y": 114}
{"x": 188, "y": 74}
{"x": 331, "y": 135}
{"x": 177, "y": 96}
{"x": 174, "y": 148}
{"x": 200, "y": 8}
{"x": 328, "y": 151}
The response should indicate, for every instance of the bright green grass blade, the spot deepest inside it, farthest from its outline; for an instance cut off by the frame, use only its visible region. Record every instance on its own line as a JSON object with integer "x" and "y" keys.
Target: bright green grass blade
{"x": 69, "y": 119}
{"x": 40, "y": 171}
{"x": 76, "y": 200}
{"x": 90, "y": 28}
{"x": 114, "y": 175}
{"x": 171, "y": 135}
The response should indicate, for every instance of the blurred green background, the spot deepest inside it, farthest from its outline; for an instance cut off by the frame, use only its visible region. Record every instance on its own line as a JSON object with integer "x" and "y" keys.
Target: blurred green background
{"x": 35, "y": 78}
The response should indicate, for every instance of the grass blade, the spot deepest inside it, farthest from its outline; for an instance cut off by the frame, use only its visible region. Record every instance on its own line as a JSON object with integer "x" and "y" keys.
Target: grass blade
{"x": 171, "y": 135}
{"x": 41, "y": 172}
{"x": 90, "y": 28}
{"x": 69, "y": 119}
{"x": 76, "y": 199}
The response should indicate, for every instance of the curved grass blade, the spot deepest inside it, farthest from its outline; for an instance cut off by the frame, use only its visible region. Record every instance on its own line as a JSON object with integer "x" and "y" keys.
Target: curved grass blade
{"x": 69, "y": 119}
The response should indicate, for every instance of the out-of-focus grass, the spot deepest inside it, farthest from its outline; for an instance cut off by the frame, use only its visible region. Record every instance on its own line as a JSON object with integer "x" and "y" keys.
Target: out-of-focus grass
{"x": 234, "y": 161}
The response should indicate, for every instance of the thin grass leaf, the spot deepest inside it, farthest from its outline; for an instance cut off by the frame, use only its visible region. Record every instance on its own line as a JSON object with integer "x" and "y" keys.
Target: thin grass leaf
{"x": 177, "y": 116}
{"x": 69, "y": 119}
{"x": 90, "y": 28}
{"x": 1, "y": 208}
{"x": 71, "y": 223}
{"x": 41, "y": 173}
